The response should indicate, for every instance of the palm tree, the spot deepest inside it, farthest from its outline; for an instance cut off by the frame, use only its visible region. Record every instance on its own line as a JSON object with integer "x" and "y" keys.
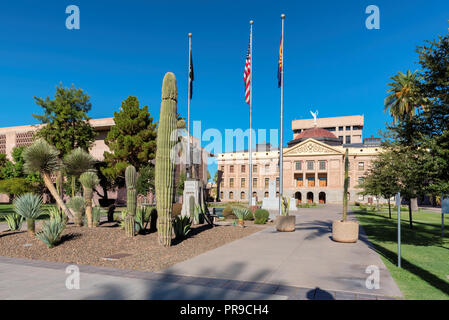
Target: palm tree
{"x": 43, "y": 157}
{"x": 77, "y": 162}
{"x": 29, "y": 206}
{"x": 89, "y": 180}
{"x": 404, "y": 97}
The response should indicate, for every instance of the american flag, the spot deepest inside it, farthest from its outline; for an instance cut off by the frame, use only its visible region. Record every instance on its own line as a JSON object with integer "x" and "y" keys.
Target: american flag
{"x": 247, "y": 73}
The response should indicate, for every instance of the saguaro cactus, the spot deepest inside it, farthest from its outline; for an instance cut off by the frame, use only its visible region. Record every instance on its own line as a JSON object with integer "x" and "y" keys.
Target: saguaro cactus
{"x": 165, "y": 166}
{"x": 346, "y": 185}
{"x": 131, "y": 201}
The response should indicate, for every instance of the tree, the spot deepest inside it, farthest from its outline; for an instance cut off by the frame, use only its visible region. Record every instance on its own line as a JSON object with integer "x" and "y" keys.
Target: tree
{"x": 145, "y": 181}
{"x": 381, "y": 179}
{"x": 131, "y": 141}
{"x": 66, "y": 120}
{"x": 66, "y": 124}
{"x": 404, "y": 95}
{"x": 89, "y": 180}
{"x": 75, "y": 163}
{"x": 43, "y": 157}
{"x": 16, "y": 186}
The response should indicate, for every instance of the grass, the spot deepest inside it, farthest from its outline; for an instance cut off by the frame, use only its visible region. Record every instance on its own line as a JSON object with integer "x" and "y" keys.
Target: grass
{"x": 425, "y": 254}
{"x": 8, "y": 208}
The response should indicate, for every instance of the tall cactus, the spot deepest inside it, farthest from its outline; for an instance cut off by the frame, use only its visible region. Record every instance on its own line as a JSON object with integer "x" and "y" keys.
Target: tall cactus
{"x": 346, "y": 185}
{"x": 131, "y": 201}
{"x": 165, "y": 167}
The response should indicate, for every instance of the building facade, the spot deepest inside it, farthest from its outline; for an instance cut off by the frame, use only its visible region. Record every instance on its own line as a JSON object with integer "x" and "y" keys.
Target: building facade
{"x": 313, "y": 166}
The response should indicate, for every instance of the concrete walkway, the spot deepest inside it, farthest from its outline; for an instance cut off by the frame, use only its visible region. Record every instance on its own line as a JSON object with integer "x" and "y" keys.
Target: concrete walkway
{"x": 305, "y": 264}
{"x": 306, "y": 258}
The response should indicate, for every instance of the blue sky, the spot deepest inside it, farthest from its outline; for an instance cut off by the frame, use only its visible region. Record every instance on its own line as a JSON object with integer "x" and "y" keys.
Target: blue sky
{"x": 332, "y": 62}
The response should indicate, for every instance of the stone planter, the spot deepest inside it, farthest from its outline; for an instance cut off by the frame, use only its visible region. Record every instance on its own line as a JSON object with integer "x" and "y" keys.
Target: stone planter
{"x": 346, "y": 232}
{"x": 286, "y": 223}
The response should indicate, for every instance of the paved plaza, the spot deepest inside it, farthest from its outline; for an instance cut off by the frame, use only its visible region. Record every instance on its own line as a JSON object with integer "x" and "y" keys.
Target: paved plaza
{"x": 305, "y": 264}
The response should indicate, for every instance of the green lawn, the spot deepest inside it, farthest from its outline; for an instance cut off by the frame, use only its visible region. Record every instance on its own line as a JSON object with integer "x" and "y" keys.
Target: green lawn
{"x": 8, "y": 208}
{"x": 425, "y": 255}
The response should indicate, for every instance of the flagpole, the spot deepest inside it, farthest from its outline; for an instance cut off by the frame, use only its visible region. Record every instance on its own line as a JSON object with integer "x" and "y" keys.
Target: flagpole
{"x": 188, "y": 164}
{"x": 250, "y": 148}
{"x": 281, "y": 156}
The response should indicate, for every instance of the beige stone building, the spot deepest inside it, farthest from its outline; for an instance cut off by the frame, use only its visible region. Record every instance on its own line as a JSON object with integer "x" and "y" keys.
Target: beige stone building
{"x": 11, "y": 137}
{"x": 313, "y": 163}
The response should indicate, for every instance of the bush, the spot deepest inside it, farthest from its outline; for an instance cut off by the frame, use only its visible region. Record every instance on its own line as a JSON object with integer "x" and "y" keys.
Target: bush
{"x": 261, "y": 216}
{"x": 228, "y": 212}
{"x": 14, "y": 221}
{"x": 176, "y": 211}
{"x": 51, "y": 232}
{"x": 181, "y": 226}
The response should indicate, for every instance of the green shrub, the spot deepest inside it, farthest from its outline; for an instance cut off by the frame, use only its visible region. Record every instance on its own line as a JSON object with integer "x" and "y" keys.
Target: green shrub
{"x": 181, "y": 226}
{"x": 261, "y": 216}
{"x": 51, "y": 232}
{"x": 14, "y": 221}
{"x": 363, "y": 207}
{"x": 228, "y": 212}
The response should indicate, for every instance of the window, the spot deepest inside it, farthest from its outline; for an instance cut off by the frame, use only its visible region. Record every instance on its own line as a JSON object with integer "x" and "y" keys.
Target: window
{"x": 243, "y": 168}
{"x": 277, "y": 194}
{"x": 267, "y": 182}
{"x": 340, "y": 138}
{"x": 231, "y": 195}
{"x": 361, "y": 179}
{"x": 322, "y": 165}
{"x": 222, "y": 184}
{"x": 277, "y": 182}
{"x": 340, "y": 128}
{"x": 348, "y": 128}
{"x": 254, "y": 182}
{"x": 298, "y": 165}
{"x": 330, "y": 129}
{"x": 348, "y": 140}
{"x": 361, "y": 197}
{"x": 254, "y": 194}
{"x": 267, "y": 168}
{"x": 242, "y": 195}
{"x": 361, "y": 166}
{"x": 242, "y": 183}
{"x": 266, "y": 194}
{"x": 231, "y": 169}
{"x": 357, "y": 127}
{"x": 231, "y": 183}
{"x": 255, "y": 168}
{"x": 310, "y": 165}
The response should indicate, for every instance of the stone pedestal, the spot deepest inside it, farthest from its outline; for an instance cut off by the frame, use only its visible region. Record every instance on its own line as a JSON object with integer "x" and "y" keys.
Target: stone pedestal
{"x": 192, "y": 188}
{"x": 272, "y": 202}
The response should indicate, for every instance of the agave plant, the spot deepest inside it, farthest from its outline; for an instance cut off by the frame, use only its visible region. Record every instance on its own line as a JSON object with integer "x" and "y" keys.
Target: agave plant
{"x": 76, "y": 163}
{"x": 14, "y": 221}
{"x": 89, "y": 180}
{"x": 51, "y": 232}
{"x": 43, "y": 157}
{"x": 142, "y": 219}
{"x": 29, "y": 206}
{"x": 77, "y": 205}
{"x": 56, "y": 214}
{"x": 242, "y": 214}
{"x": 181, "y": 226}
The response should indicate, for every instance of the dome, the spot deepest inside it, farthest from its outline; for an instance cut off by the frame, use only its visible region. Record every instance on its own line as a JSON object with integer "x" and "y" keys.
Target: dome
{"x": 318, "y": 134}
{"x": 315, "y": 133}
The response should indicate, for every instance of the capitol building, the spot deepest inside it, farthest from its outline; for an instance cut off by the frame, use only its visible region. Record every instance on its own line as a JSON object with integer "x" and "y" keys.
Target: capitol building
{"x": 313, "y": 163}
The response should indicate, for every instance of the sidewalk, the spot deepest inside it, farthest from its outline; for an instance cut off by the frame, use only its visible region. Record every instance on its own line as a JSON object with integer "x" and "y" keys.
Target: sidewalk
{"x": 306, "y": 258}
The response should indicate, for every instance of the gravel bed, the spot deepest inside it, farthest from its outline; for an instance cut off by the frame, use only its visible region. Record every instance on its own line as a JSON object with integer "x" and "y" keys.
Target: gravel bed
{"x": 87, "y": 246}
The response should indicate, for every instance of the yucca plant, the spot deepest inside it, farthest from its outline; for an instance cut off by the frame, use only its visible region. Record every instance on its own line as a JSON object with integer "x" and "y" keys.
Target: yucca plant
{"x": 29, "y": 206}
{"x": 89, "y": 180}
{"x": 181, "y": 226}
{"x": 14, "y": 221}
{"x": 76, "y": 163}
{"x": 77, "y": 205}
{"x": 241, "y": 213}
{"x": 96, "y": 215}
{"x": 51, "y": 232}
{"x": 42, "y": 157}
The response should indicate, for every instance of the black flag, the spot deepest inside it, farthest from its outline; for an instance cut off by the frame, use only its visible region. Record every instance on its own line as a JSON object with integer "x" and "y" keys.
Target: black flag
{"x": 191, "y": 78}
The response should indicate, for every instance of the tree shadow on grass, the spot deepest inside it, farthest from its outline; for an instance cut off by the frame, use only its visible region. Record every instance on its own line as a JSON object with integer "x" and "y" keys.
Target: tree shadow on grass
{"x": 425, "y": 275}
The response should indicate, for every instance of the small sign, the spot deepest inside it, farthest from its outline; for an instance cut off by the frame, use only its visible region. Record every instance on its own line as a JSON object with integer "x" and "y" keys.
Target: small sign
{"x": 445, "y": 205}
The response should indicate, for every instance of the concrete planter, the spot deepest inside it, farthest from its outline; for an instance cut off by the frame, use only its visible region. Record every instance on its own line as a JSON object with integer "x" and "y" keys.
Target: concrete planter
{"x": 346, "y": 232}
{"x": 286, "y": 223}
